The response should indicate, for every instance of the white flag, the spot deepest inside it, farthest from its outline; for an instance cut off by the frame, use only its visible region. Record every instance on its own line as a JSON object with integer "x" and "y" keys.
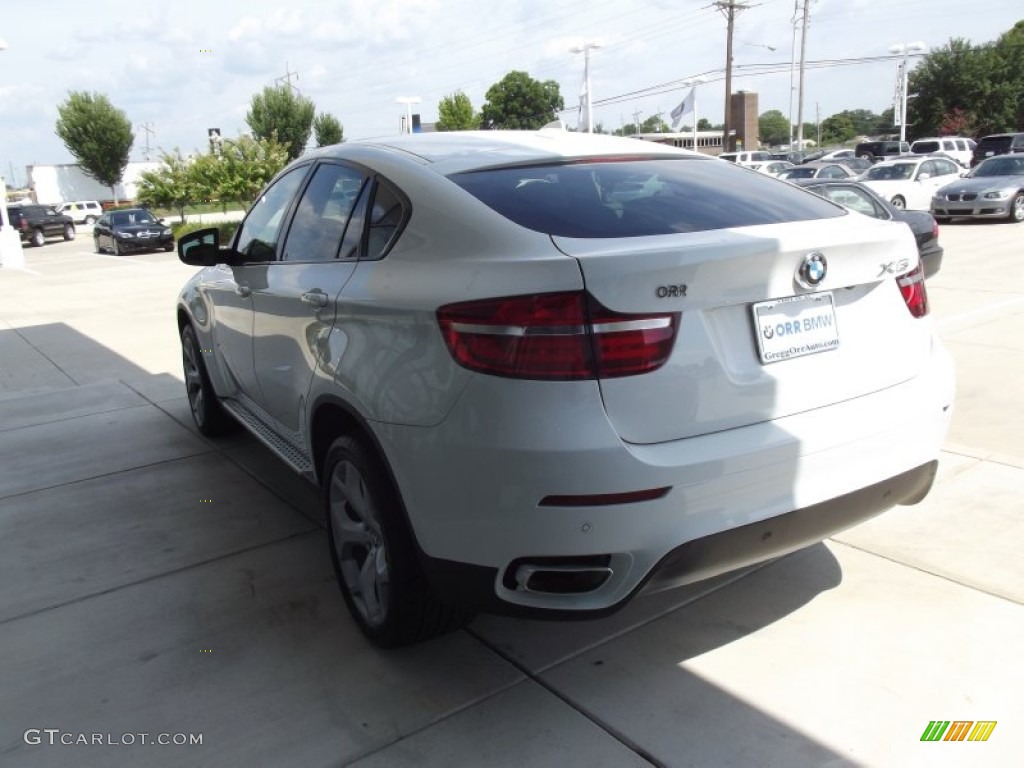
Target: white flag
{"x": 582, "y": 123}
{"x": 685, "y": 107}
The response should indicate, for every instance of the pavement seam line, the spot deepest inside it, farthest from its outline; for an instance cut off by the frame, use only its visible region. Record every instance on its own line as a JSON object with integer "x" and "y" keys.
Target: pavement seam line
{"x": 622, "y": 738}
{"x": 454, "y": 712}
{"x": 113, "y": 409}
{"x": 156, "y": 576}
{"x": 102, "y": 475}
{"x": 45, "y": 356}
{"x": 925, "y": 571}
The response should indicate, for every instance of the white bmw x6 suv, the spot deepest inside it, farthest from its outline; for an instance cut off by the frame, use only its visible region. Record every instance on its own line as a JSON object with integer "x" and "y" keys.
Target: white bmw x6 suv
{"x": 541, "y": 373}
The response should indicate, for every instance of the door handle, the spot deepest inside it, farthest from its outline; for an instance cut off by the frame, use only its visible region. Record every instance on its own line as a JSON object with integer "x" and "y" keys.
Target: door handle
{"x": 243, "y": 290}
{"x": 316, "y": 299}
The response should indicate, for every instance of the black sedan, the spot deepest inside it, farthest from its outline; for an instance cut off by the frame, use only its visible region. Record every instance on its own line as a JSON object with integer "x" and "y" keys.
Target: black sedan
{"x": 131, "y": 230}
{"x": 859, "y": 198}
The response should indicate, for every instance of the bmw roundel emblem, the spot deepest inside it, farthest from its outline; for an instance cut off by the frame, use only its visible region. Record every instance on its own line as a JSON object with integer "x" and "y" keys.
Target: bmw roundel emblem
{"x": 812, "y": 270}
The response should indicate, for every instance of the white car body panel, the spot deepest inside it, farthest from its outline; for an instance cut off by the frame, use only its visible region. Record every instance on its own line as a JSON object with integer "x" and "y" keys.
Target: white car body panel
{"x": 715, "y": 379}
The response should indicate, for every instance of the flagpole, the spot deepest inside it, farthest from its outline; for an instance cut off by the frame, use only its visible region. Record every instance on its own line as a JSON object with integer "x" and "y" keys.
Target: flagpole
{"x": 695, "y": 118}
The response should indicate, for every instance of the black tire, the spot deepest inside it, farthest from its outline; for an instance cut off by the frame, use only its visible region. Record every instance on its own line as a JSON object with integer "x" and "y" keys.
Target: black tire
{"x": 943, "y": 219}
{"x": 169, "y": 248}
{"x": 207, "y": 412}
{"x": 69, "y": 232}
{"x": 374, "y": 552}
{"x": 38, "y": 239}
{"x": 116, "y": 247}
{"x": 96, "y": 242}
{"x": 90, "y": 220}
{"x": 899, "y": 203}
{"x": 1017, "y": 208}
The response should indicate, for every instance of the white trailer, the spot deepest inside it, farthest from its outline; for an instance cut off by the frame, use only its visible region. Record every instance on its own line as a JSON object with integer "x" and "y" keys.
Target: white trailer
{"x": 52, "y": 184}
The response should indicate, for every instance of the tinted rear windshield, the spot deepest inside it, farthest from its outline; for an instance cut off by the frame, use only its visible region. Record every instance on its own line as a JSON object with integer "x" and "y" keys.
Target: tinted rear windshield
{"x": 995, "y": 142}
{"x": 634, "y": 198}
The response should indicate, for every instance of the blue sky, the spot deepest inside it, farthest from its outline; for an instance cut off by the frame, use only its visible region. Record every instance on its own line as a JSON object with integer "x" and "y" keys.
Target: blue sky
{"x": 187, "y": 66}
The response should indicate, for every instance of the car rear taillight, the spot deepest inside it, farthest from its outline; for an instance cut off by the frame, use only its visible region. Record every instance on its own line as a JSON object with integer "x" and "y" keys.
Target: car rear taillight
{"x": 935, "y": 229}
{"x": 555, "y": 336}
{"x": 913, "y": 290}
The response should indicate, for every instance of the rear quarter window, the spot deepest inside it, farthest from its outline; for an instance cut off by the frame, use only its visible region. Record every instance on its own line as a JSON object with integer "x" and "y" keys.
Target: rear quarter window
{"x": 640, "y": 197}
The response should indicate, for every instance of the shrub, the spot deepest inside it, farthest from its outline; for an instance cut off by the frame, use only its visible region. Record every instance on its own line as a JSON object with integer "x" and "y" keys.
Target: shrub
{"x": 226, "y": 228}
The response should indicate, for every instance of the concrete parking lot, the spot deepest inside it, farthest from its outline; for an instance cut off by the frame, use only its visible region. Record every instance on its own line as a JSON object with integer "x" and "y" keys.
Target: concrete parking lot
{"x": 154, "y": 582}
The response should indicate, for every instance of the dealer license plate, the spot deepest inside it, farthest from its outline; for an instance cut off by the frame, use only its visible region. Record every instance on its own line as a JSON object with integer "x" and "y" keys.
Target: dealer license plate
{"x": 795, "y": 326}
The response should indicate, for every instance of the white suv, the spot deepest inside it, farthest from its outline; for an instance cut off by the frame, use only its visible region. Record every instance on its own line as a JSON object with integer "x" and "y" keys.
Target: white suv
{"x": 958, "y": 148}
{"x": 541, "y": 373}
{"x": 82, "y": 211}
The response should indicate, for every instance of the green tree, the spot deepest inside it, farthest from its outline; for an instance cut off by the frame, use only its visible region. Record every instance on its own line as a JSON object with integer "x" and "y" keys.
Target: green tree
{"x": 984, "y": 82}
{"x": 654, "y": 124}
{"x": 98, "y": 134}
{"x": 863, "y": 121}
{"x": 455, "y": 113}
{"x": 703, "y": 124}
{"x": 327, "y": 130}
{"x": 518, "y": 101}
{"x": 773, "y": 126}
{"x": 172, "y": 185}
{"x": 281, "y": 114}
{"x": 837, "y": 129}
{"x": 245, "y": 166}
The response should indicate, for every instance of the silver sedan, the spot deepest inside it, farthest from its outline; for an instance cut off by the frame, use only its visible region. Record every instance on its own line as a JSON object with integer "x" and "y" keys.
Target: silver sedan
{"x": 993, "y": 190}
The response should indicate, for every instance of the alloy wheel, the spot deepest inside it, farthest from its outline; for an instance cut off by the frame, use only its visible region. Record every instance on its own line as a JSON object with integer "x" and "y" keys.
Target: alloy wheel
{"x": 359, "y": 543}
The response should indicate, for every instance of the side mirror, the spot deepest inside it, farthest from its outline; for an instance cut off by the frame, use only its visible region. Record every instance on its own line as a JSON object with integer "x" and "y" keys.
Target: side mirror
{"x": 201, "y": 248}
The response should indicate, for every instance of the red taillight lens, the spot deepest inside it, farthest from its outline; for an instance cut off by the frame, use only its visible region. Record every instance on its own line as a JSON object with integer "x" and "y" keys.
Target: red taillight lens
{"x": 913, "y": 290}
{"x": 555, "y": 336}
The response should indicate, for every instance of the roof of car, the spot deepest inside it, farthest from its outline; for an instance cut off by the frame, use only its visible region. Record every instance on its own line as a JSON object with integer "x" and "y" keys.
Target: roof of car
{"x": 454, "y": 151}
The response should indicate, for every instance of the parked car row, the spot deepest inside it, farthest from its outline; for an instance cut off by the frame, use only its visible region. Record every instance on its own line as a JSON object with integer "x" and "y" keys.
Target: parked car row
{"x": 126, "y": 230}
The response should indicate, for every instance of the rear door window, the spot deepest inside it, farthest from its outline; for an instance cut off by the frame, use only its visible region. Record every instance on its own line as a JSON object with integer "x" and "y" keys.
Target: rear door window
{"x": 635, "y": 198}
{"x": 322, "y": 213}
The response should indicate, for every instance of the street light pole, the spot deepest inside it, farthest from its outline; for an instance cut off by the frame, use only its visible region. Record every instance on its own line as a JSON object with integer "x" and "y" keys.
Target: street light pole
{"x": 585, "y": 50}
{"x": 905, "y": 49}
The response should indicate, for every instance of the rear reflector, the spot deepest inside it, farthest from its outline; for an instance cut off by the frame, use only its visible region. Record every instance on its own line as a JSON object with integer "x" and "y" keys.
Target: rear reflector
{"x": 604, "y": 499}
{"x": 913, "y": 290}
{"x": 555, "y": 336}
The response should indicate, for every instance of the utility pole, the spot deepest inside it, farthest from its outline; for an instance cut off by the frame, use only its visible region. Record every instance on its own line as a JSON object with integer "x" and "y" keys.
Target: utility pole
{"x": 636, "y": 120}
{"x": 803, "y": 57}
{"x": 148, "y": 128}
{"x": 729, "y": 8}
{"x": 287, "y": 78}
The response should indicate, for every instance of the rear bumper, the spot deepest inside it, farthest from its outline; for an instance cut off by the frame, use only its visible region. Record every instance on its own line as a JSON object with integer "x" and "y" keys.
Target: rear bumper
{"x": 473, "y": 494}
{"x": 710, "y": 555}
